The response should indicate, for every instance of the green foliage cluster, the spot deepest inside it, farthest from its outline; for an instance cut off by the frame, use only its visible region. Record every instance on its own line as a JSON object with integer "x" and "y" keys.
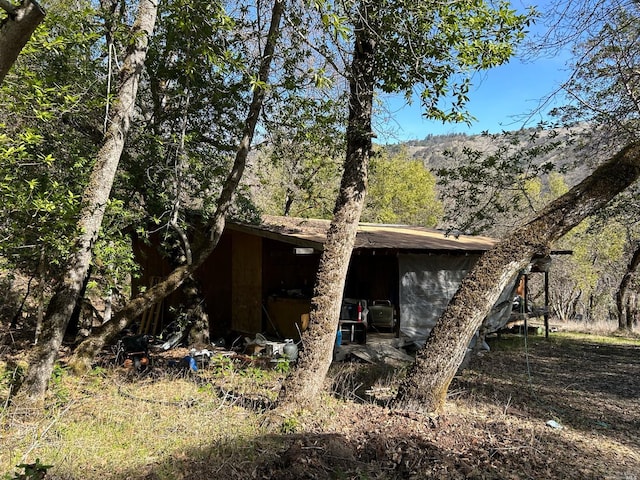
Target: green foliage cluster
{"x": 484, "y": 189}
{"x": 299, "y": 169}
{"x": 46, "y": 98}
{"x": 401, "y": 190}
{"x": 585, "y": 282}
{"x": 52, "y": 109}
{"x": 31, "y": 471}
{"x": 435, "y": 47}
{"x": 491, "y": 192}
{"x": 54, "y": 106}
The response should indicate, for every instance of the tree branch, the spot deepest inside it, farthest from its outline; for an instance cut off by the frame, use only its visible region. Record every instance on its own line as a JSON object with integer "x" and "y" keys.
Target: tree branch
{"x": 16, "y": 30}
{"x": 8, "y": 7}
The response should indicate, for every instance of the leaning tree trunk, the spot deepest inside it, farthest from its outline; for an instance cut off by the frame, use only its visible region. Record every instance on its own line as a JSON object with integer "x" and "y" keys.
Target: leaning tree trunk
{"x": 436, "y": 363}
{"x": 89, "y": 348}
{"x": 302, "y": 387}
{"x": 16, "y": 30}
{"x": 93, "y": 205}
{"x": 624, "y": 322}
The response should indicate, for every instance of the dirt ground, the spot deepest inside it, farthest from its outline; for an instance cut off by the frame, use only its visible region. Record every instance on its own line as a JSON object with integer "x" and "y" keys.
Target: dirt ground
{"x": 559, "y": 409}
{"x": 563, "y": 408}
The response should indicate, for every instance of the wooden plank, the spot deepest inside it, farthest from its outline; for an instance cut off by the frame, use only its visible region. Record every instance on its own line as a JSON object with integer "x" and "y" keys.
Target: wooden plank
{"x": 246, "y": 283}
{"x": 379, "y": 353}
{"x": 152, "y": 313}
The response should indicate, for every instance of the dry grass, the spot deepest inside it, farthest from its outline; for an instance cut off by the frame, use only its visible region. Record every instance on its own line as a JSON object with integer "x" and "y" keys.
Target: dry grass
{"x": 113, "y": 425}
{"x": 595, "y": 327}
{"x": 108, "y": 423}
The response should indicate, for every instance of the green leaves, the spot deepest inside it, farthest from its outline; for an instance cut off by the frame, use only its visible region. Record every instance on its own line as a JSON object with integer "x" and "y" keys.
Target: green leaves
{"x": 48, "y": 113}
{"x": 300, "y": 169}
{"x": 494, "y": 184}
{"x": 256, "y": 84}
{"x": 436, "y": 46}
{"x": 401, "y": 190}
{"x": 336, "y": 24}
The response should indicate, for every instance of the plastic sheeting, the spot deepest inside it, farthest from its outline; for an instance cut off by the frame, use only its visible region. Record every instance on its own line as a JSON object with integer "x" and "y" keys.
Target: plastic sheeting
{"x": 427, "y": 284}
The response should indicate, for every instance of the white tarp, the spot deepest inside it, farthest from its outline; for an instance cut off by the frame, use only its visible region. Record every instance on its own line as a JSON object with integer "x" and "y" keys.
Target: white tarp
{"x": 427, "y": 283}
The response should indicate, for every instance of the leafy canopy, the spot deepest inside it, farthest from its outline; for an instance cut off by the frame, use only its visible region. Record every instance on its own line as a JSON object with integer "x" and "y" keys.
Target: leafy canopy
{"x": 401, "y": 190}
{"x": 432, "y": 46}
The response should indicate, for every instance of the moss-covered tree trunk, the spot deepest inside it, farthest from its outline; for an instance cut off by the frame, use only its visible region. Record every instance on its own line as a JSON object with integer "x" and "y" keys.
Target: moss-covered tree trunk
{"x": 89, "y": 348}
{"x": 16, "y": 30}
{"x": 92, "y": 210}
{"x": 427, "y": 382}
{"x": 302, "y": 387}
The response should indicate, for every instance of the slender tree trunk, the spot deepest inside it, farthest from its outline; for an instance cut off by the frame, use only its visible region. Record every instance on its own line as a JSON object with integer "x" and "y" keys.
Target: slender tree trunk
{"x": 40, "y": 297}
{"x": 196, "y": 313}
{"x": 573, "y": 311}
{"x": 302, "y": 387}
{"x": 632, "y": 311}
{"x": 18, "y": 314}
{"x": 73, "y": 325}
{"x": 436, "y": 363}
{"x": 622, "y": 293}
{"x": 92, "y": 210}
{"x": 16, "y": 29}
{"x": 89, "y": 348}
{"x": 108, "y": 304}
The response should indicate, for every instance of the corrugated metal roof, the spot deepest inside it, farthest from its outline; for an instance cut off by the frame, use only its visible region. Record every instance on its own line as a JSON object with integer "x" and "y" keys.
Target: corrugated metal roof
{"x": 308, "y": 232}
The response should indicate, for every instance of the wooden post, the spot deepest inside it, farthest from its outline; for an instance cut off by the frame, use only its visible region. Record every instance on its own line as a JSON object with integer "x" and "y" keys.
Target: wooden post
{"x": 546, "y": 304}
{"x": 525, "y": 305}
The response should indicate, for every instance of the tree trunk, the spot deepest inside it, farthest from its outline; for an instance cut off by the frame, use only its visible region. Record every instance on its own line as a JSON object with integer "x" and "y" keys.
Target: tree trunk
{"x": 302, "y": 387}
{"x": 93, "y": 205}
{"x": 436, "y": 363}
{"x": 40, "y": 296}
{"x": 73, "y": 326}
{"x": 108, "y": 303}
{"x": 632, "y": 311}
{"x": 89, "y": 348}
{"x": 622, "y": 294}
{"x": 16, "y": 29}
{"x": 196, "y": 314}
{"x": 14, "y": 320}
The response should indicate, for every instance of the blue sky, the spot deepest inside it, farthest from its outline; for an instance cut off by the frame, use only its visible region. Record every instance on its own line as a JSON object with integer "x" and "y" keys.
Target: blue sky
{"x": 500, "y": 99}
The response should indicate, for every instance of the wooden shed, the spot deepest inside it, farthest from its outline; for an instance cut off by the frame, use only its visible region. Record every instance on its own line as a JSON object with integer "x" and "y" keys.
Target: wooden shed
{"x": 260, "y": 277}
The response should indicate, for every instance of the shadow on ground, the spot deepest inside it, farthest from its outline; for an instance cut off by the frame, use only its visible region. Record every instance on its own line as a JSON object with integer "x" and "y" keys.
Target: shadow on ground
{"x": 588, "y": 386}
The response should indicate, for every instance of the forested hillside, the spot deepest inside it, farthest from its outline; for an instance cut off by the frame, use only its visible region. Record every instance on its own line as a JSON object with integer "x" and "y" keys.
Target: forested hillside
{"x": 447, "y": 151}
{"x": 536, "y": 166}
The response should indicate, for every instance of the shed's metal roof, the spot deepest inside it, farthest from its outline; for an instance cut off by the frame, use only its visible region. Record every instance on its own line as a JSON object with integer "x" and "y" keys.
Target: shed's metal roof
{"x": 308, "y": 232}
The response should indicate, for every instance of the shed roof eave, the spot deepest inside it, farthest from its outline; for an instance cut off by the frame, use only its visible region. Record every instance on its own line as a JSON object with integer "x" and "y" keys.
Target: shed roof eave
{"x": 312, "y": 233}
{"x": 292, "y": 240}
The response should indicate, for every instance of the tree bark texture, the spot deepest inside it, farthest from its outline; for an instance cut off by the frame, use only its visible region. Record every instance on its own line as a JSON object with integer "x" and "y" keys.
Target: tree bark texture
{"x": 89, "y": 348}
{"x": 301, "y": 389}
{"x": 196, "y": 314}
{"x": 427, "y": 382}
{"x": 625, "y": 322}
{"x": 93, "y": 206}
{"x": 16, "y": 30}
{"x": 632, "y": 310}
